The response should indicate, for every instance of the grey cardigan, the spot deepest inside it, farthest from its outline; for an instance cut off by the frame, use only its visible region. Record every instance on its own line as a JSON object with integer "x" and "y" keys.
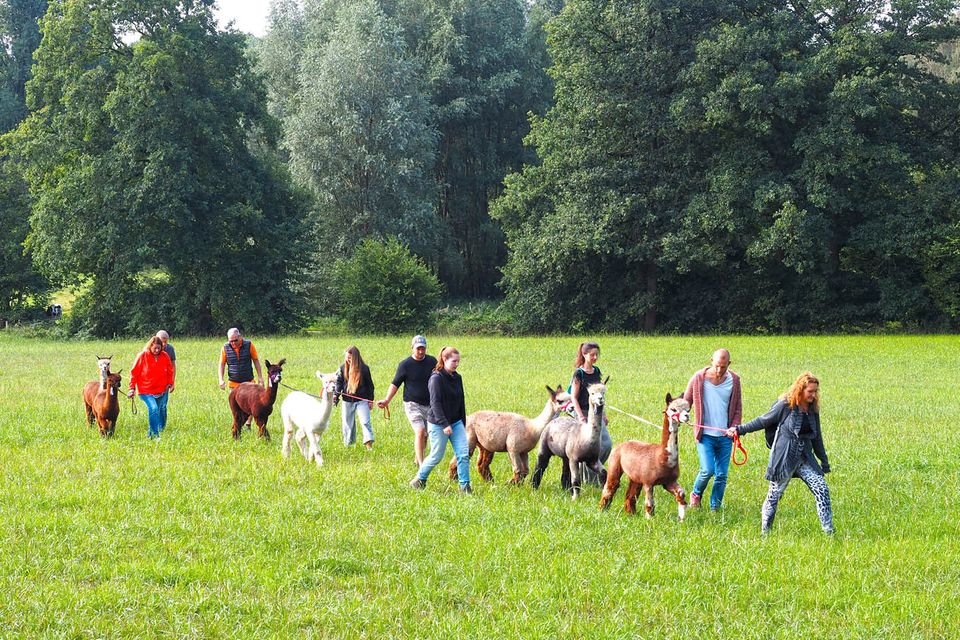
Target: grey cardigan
{"x": 787, "y": 449}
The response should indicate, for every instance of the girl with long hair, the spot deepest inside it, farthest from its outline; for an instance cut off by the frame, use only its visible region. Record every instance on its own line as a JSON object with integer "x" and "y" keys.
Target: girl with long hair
{"x": 355, "y": 387}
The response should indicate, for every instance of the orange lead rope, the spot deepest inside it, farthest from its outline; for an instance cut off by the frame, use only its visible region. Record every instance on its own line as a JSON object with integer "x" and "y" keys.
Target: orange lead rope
{"x": 738, "y": 446}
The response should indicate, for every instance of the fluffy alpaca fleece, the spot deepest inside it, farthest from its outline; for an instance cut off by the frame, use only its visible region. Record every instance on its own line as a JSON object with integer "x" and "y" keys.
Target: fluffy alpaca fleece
{"x": 308, "y": 418}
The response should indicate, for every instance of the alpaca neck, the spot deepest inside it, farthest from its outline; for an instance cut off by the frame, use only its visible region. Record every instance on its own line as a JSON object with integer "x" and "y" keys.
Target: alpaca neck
{"x": 326, "y": 406}
{"x": 103, "y": 379}
{"x": 591, "y": 430}
{"x": 536, "y": 426}
{"x": 670, "y": 444}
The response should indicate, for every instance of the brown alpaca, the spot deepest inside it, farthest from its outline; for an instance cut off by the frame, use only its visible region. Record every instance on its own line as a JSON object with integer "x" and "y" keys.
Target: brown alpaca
{"x": 649, "y": 465}
{"x": 103, "y": 403}
{"x": 250, "y": 399}
{"x": 494, "y": 431}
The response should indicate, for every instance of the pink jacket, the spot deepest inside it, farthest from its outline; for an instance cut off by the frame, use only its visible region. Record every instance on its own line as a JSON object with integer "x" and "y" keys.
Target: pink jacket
{"x": 694, "y": 395}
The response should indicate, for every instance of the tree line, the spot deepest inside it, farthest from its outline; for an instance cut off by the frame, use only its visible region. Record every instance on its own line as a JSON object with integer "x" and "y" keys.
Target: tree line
{"x": 646, "y": 165}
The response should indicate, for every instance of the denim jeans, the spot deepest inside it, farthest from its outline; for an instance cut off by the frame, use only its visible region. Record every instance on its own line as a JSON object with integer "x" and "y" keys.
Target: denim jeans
{"x": 348, "y": 425}
{"x": 714, "y": 454}
{"x": 156, "y": 412}
{"x": 438, "y": 445}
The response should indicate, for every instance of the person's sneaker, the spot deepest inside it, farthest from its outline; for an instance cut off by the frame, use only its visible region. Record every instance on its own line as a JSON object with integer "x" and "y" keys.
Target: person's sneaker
{"x": 694, "y": 500}
{"x": 466, "y": 489}
{"x": 417, "y": 483}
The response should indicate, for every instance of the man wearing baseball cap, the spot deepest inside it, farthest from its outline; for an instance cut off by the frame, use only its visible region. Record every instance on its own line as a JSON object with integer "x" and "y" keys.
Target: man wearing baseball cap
{"x": 413, "y": 373}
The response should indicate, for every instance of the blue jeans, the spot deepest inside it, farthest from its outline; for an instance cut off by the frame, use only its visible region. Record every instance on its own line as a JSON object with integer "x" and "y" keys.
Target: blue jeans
{"x": 348, "y": 425}
{"x": 714, "y": 454}
{"x": 156, "y": 412}
{"x": 438, "y": 445}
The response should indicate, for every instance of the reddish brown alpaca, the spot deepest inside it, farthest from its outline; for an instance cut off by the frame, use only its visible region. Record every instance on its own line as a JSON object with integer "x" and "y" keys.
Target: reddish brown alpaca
{"x": 648, "y": 465}
{"x": 250, "y": 399}
{"x": 103, "y": 404}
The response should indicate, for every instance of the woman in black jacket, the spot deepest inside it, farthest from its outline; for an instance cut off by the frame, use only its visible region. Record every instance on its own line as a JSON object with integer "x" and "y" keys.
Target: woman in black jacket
{"x": 355, "y": 384}
{"x": 792, "y": 429}
{"x": 445, "y": 420}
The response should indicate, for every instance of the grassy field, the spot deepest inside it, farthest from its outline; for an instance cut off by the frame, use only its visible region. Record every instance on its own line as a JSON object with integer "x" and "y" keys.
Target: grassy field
{"x": 198, "y": 536}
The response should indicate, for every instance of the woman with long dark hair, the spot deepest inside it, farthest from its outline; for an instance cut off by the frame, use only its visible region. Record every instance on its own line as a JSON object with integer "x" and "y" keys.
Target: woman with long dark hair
{"x": 355, "y": 386}
{"x": 445, "y": 420}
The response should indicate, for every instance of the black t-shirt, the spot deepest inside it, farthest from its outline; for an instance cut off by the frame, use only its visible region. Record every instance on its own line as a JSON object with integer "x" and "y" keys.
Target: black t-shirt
{"x": 806, "y": 429}
{"x": 414, "y": 374}
{"x": 586, "y": 379}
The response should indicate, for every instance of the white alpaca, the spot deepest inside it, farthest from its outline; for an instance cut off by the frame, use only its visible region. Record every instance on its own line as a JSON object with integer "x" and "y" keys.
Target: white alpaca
{"x": 103, "y": 365}
{"x": 309, "y": 417}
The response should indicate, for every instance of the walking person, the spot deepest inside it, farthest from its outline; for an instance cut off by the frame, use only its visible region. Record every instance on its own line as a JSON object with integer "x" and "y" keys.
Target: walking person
{"x": 355, "y": 385}
{"x": 151, "y": 376}
{"x": 413, "y": 374}
{"x": 585, "y": 373}
{"x": 714, "y": 392}
{"x": 239, "y": 357}
{"x": 792, "y": 430}
{"x": 446, "y": 420}
{"x": 165, "y": 339}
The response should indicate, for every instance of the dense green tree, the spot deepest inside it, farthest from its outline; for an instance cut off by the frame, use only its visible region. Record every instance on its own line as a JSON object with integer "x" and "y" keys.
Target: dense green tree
{"x": 21, "y": 285}
{"x": 587, "y": 225}
{"x": 148, "y": 152}
{"x": 737, "y": 164}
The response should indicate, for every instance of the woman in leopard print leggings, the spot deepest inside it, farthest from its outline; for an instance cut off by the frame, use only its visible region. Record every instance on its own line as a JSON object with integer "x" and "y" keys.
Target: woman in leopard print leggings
{"x": 792, "y": 428}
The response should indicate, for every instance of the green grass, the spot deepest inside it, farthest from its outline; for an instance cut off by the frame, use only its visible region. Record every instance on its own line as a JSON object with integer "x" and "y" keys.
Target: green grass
{"x": 198, "y": 536}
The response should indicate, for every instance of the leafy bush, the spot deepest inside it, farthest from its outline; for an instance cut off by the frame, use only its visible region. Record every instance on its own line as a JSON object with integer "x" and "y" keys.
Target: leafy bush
{"x": 385, "y": 288}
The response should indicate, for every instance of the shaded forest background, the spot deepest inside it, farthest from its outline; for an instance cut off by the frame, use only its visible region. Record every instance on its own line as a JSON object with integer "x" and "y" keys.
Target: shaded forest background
{"x": 584, "y": 165}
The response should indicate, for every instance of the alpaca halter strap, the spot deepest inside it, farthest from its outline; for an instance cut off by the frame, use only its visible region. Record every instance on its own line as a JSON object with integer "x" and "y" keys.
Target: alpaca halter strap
{"x": 737, "y": 444}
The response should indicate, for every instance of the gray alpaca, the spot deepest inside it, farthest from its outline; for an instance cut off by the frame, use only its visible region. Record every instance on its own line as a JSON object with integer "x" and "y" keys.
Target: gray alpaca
{"x": 574, "y": 443}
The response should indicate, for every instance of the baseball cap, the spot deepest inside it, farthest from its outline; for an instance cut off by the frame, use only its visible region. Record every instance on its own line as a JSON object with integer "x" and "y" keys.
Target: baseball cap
{"x": 419, "y": 341}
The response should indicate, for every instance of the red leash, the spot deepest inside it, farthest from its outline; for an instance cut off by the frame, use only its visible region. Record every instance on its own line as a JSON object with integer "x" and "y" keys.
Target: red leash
{"x": 737, "y": 445}
{"x": 386, "y": 409}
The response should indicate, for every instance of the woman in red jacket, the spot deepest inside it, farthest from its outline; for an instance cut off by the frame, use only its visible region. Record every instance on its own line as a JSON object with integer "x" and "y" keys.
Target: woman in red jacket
{"x": 152, "y": 377}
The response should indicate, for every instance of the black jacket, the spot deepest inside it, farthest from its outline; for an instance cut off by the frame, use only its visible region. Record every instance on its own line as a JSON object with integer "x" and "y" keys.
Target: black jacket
{"x": 788, "y": 449}
{"x": 364, "y": 390}
{"x": 446, "y": 399}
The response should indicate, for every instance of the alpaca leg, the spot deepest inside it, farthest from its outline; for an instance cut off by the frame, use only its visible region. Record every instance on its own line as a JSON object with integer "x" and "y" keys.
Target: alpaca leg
{"x": 574, "y": 466}
{"x": 314, "y": 453}
{"x": 516, "y": 461}
{"x": 287, "y": 437}
{"x": 597, "y": 469}
{"x": 677, "y": 491}
{"x": 524, "y": 466}
{"x": 565, "y": 475}
{"x": 610, "y": 489}
{"x": 301, "y": 437}
{"x": 483, "y": 463}
{"x": 238, "y": 419}
{"x": 262, "y": 429}
{"x": 543, "y": 459}
{"x": 648, "y": 504}
{"x": 630, "y": 501}
{"x": 90, "y": 418}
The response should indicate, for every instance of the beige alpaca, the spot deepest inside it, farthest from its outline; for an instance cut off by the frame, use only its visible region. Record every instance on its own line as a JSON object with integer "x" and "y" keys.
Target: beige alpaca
{"x": 494, "y": 431}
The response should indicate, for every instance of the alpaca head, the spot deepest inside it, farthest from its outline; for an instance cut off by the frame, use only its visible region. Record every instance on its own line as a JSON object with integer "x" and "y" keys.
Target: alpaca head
{"x": 558, "y": 397}
{"x": 596, "y": 393}
{"x": 274, "y": 372}
{"x": 677, "y": 412}
{"x": 103, "y": 364}
{"x": 113, "y": 382}
{"x": 328, "y": 383}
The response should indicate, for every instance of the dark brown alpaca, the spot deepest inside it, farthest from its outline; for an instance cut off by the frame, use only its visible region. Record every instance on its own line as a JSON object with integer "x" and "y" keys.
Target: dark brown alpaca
{"x": 250, "y": 399}
{"x": 103, "y": 404}
{"x": 648, "y": 465}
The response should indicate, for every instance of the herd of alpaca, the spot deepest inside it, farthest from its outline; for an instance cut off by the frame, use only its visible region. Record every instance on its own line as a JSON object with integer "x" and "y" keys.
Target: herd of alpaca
{"x": 580, "y": 446}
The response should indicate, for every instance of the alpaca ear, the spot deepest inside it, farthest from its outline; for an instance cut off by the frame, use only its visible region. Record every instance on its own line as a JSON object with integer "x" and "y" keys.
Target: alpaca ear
{"x": 268, "y": 363}
{"x": 553, "y": 394}
{"x": 669, "y": 398}
{"x": 319, "y": 375}
{"x": 605, "y": 380}
{"x": 282, "y": 361}
{"x": 118, "y": 371}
